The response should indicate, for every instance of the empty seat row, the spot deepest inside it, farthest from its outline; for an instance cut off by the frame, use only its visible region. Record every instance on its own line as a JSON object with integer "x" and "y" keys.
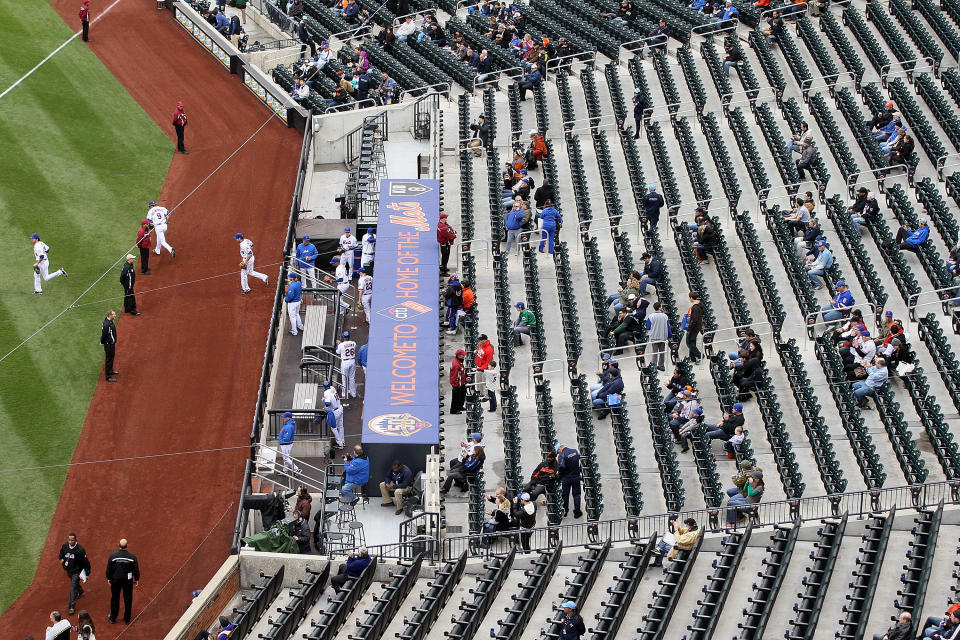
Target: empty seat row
{"x": 666, "y": 596}
{"x": 792, "y": 262}
{"x": 620, "y": 594}
{"x": 853, "y": 20}
{"x": 715, "y": 592}
{"x": 941, "y": 25}
{"x": 556, "y": 29}
{"x": 841, "y": 44}
{"x": 301, "y": 601}
{"x": 689, "y": 68}
{"x": 547, "y": 431}
{"x": 730, "y": 280}
{"x": 417, "y": 626}
{"x": 626, "y": 460}
{"x": 579, "y": 585}
{"x": 917, "y": 30}
{"x": 944, "y": 112}
{"x": 769, "y": 64}
{"x": 765, "y": 591}
{"x": 748, "y": 149}
{"x": 866, "y": 576}
{"x": 762, "y": 275}
{"x": 341, "y": 603}
{"x": 921, "y": 127}
{"x": 833, "y": 136}
{"x": 670, "y": 480}
{"x": 850, "y": 416}
{"x": 942, "y": 354}
{"x": 813, "y": 423}
{"x": 791, "y": 52}
{"x": 714, "y": 63}
{"x": 779, "y": 438}
{"x": 610, "y": 72}
{"x": 388, "y": 602}
{"x": 667, "y": 85}
{"x": 497, "y": 568}
{"x": 587, "y": 444}
{"x": 891, "y": 35}
{"x": 512, "y": 447}
{"x": 691, "y": 158}
{"x": 569, "y": 312}
{"x": 668, "y": 182}
{"x": 528, "y": 595}
{"x": 264, "y": 593}
{"x": 531, "y": 280}
{"x": 904, "y": 447}
{"x": 590, "y": 95}
{"x": 823, "y": 559}
{"x": 916, "y": 572}
{"x": 938, "y": 431}
{"x": 598, "y": 291}
{"x": 821, "y": 57}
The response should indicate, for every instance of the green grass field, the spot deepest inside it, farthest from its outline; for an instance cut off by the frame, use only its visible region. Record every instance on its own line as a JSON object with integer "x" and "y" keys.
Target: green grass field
{"x": 79, "y": 162}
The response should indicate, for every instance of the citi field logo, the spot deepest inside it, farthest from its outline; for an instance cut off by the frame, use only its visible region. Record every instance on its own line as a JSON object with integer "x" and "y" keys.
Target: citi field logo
{"x": 404, "y": 310}
{"x": 402, "y": 425}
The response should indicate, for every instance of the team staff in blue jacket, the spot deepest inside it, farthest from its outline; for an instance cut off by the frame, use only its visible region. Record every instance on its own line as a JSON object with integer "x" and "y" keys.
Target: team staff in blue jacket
{"x": 514, "y": 224}
{"x": 293, "y": 298}
{"x": 306, "y": 261}
{"x": 551, "y": 220}
{"x": 568, "y": 468}
{"x": 285, "y": 439}
{"x": 397, "y": 483}
{"x": 652, "y": 203}
{"x": 356, "y": 472}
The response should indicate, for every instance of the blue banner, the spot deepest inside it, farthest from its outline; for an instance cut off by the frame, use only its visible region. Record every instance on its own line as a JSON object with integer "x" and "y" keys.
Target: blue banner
{"x": 401, "y": 403}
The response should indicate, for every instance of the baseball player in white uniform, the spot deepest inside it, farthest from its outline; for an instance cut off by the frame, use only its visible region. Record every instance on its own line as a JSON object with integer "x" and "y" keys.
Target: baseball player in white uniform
{"x": 347, "y": 350}
{"x": 157, "y": 216}
{"x": 369, "y": 244}
{"x": 365, "y": 287}
{"x": 246, "y": 264}
{"x": 342, "y": 280}
{"x": 348, "y": 244}
{"x": 330, "y": 395}
{"x": 41, "y": 264}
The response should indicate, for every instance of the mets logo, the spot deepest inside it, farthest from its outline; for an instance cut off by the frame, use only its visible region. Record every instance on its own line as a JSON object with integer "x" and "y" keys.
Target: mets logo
{"x": 404, "y": 310}
{"x": 397, "y": 424}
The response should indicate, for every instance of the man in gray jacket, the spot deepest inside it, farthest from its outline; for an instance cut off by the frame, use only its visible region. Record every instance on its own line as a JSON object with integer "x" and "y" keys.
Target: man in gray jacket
{"x": 808, "y": 154}
{"x": 658, "y": 332}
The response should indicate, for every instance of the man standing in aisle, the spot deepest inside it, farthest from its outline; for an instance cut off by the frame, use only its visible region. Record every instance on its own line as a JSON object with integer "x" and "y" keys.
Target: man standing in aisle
{"x": 306, "y": 261}
{"x": 694, "y": 325}
{"x": 73, "y": 559}
{"x": 123, "y": 574}
{"x": 445, "y": 237}
{"x": 348, "y": 245}
{"x": 285, "y": 440}
{"x": 128, "y": 276}
{"x": 108, "y": 338}
{"x": 568, "y": 466}
{"x": 292, "y": 298}
{"x": 247, "y": 262}
{"x": 179, "y": 123}
{"x": 458, "y": 382}
{"x": 652, "y": 203}
{"x": 369, "y": 244}
{"x": 41, "y": 264}
{"x": 659, "y": 332}
{"x": 158, "y": 217}
{"x": 144, "y": 243}
{"x": 347, "y": 350}
{"x": 85, "y": 20}
{"x": 365, "y": 287}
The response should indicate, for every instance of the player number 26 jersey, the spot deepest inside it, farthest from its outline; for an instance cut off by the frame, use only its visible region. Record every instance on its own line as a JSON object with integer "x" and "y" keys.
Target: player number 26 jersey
{"x": 347, "y": 350}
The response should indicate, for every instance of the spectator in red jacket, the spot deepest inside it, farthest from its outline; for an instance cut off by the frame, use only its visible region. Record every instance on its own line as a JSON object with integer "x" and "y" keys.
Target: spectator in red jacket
{"x": 85, "y": 19}
{"x": 484, "y": 353}
{"x": 179, "y": 123}
{"x": 144, "y": 243}
{"x": 537, "y": 151}
{"x": 458, "y": 380}
{"x": 445, "y": 236}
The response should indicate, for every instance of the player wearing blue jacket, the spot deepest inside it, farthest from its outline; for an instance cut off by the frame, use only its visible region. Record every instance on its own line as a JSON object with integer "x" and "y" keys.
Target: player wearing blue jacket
{"x": 306, "y": 261}
{"x": 293, "y": 298}
{"x": 287, "y": 434}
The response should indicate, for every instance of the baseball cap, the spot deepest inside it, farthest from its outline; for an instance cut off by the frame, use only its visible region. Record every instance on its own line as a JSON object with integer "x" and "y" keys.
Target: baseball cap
{"x": 482, "y": 337}
{"x": 444, "y": 215}
{"x": 864, "y": 334}
{"x": 569, "y": 604}
{"x": 461, "y": 352}
{"x": 652, "y": 187}
{"x": 821, "y": 243}
{"x": 636, "y": 90}
{"x": 130, "y": 256}
{"x": 347, "y": 230}
{"x": 476, "y": 436}
{"x": 326, "y": 403}
{"x": 605, "y": 356}
{"x": 896, "y": 342}
{"x": 888, "y": 313}
{"x": 519, "y": 305}
{"x": 34, "y": 236}
{"x": 738, "y": 406}
{"x": 840, "y": 283}
{"x": 287, "y": 415}
{"x": 645, "y": 255}
{"x": 293, "y": 276}
{"x": 237, "y": 236}
{"x": 361, "y": 270}
{"x": 144, "y": 221}
{"x": 346, "y": 334}
{"x": 533, "y": 132}
{"x": 179, "y": 103}
{"x": 698, "y": 411}
{"x": 559, "y": 446}
{"x": 334, "y": 260}
{"x": 326, "y": 384}
{"x": 889, "y": 105}
{"x": 524, "y": 496}
{"x": 151, "y": 203}
{"x": 305, "y": 238}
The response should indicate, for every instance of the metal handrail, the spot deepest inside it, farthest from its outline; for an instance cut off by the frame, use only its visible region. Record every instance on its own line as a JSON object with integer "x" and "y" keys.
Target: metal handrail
{"x": 943, "y": 300}
{"x": 884, "y": 171}
{"x": 812, "y": 322}
{"x": 715, "y": 27}
{"x": 642, "y": 42}
{"x": 708, "y": 335}
{"x": 493, "y": 77}
{"x": 885, "y": 70}
{"x": 426, "y": 87}
{"x": 941, "y": 164}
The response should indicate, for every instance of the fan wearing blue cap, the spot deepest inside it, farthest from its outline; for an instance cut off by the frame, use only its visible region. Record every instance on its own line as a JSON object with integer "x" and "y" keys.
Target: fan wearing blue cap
{"x": 652, "y": 203}
{"x": 368, "y": 246}
{"x": 293, "y": 297}
{"x": 817, "y": 267}
{"x": 365, "y": 288}
{"x": 306, "y": 262}
{"x": 157, "y": 216}
{"x": 348, "y": 250}
{"x": 725, "y": 430}
{"x": 347, "y": 350}
{"x": 41, "y": 264}
{"x": 571, "y": 622}
{"x": 247, "y": 261}
{"x": 287, "y": 434}
{"x": 840, "y": 305}
{"x": 525, "y": 321}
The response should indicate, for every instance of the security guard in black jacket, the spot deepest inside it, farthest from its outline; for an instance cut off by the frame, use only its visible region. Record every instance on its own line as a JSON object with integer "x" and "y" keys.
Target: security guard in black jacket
{"x": 108, "y": 338}
{"x": 123, "y": 572}
{"x": 128, "y": 276}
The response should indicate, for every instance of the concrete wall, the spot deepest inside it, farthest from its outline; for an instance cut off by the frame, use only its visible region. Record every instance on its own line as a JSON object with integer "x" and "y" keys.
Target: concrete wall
{"x": 330, "y": 130}
{"x": 215, "y": 597}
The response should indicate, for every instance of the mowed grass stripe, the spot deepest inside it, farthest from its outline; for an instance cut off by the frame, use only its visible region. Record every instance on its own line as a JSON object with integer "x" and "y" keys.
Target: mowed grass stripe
{"x": 80, "y": 161}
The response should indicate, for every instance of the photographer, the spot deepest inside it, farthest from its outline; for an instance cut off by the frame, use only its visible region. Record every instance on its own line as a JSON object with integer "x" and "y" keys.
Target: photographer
{"x": 481, "y": 135}
{"x": 356, "y": 473}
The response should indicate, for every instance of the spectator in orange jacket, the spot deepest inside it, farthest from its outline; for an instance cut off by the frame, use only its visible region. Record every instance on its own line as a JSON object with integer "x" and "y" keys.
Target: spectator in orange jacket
{"x": 538, "y": 149}
{"x": 484, "y": 353}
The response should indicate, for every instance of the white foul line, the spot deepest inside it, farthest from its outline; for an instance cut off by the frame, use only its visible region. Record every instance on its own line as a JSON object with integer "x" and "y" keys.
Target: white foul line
{"x": 54, "y": 52}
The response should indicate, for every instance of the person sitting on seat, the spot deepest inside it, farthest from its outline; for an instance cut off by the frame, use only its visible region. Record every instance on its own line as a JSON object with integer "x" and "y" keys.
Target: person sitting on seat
{"x": 734, "y": 444}
{"x": 751, "y": 493}
{"x": 893, "y": 142}
{"x": 468, "y": 467}
{"x": 775, "y": 27}
{"x": 911, "y": 239}
{"x": 899, "y": 631}
{"x": 525, "y": 321}
{"x": 903, "y": 152}
{"x": 683, "y": 539}
{"x": 352, "y": 568}
{"x": 397, "y": 483}
{"x": 624, "y": 328}
{"x": 613, "y": 387}
{"x": 537, "y": 151}
{"x": 733, "y": 59}
{"x": 840, "y": 305}
{"x": 688, "y": 403}
{"x": 806, "y": 244}
{"x": 529, "y": 82}
{"x": 729, "y": 12}
{"x": 499, "y": 517}
{"x": 808, "y": 155}
{"x": 877, "y": 376}
{"x": 817, "y": 267}
{"x": 356, "y": 473}
{"x": 883, "y": 133}
{"x": 881, "y": 119}
{"x": 660, "y": 34}
{"x": 688, "y": 428}
{"x": 725, "y": 429}
{"x": 544, "y": 477}
{"x": 868, "y": 211}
